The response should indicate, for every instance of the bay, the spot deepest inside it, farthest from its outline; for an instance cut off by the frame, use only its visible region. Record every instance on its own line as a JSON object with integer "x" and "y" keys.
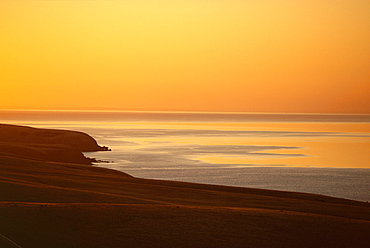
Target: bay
{"x": 313, "y": 153}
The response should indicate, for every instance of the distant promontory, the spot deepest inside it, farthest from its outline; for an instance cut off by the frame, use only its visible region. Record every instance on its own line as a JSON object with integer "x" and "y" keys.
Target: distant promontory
{"x": 47, "y": 144}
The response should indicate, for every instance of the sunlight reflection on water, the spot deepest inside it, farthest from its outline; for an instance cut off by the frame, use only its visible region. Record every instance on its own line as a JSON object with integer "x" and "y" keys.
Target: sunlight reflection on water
{"x": 329, "y": 156}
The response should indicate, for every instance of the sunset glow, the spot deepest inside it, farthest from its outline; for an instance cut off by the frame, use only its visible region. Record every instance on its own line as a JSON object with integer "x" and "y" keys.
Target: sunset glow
{"x": 264, "y": 56}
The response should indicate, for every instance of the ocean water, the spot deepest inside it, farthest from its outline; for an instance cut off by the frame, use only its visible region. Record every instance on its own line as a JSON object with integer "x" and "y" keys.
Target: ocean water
{"x": 313, "y": 153}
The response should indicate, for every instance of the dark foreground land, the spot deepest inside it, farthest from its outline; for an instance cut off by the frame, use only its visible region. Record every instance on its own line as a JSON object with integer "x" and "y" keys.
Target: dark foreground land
{"x": 50, "y": 196}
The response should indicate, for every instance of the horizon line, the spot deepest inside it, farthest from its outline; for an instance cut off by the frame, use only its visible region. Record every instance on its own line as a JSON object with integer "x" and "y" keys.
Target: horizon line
{"x": 179, "y": 111}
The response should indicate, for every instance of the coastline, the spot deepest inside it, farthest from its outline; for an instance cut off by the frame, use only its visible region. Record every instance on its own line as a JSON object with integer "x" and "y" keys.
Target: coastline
{"x": 43, "y": 200}
{"x": 47, "y": 144}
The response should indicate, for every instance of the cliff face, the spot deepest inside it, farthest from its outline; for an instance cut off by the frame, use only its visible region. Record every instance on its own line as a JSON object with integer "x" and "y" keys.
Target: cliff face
{"x": 47, "y": 144}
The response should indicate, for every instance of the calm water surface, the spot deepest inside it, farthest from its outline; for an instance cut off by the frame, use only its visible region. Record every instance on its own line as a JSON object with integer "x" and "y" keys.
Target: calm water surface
{"x": 324, "y": 154}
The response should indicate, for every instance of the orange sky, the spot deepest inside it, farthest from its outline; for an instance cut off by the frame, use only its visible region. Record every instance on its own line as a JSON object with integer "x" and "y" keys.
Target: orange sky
{"x": 191, "y": 55}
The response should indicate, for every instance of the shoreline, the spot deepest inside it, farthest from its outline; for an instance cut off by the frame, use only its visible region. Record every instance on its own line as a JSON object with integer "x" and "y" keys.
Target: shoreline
{"x": 48, "y": 144}
{"x": 45, "y": 202}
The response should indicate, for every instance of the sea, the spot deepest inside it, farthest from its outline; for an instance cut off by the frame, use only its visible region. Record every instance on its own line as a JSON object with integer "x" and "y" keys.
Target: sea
{"x": 313, "y": 153}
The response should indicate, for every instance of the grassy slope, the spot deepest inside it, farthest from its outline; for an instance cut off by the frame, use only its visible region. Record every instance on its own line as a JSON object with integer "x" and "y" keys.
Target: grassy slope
{"x": 46, "y": 144}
